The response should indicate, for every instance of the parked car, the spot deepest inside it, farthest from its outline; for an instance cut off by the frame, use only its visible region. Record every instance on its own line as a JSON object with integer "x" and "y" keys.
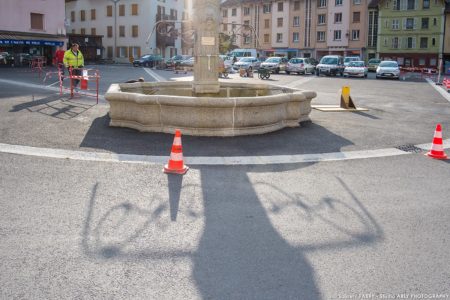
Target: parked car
{"x": 247, "y": 63}
{"x": 189, "y": 62}
{"x": 356, "y": 68}
{"x": 275, "y": 64}
{"x": 349, "y": 59}
{"x": 148, "y": 60}
{"x": 299, "y": 65}
{"x": 176, "y": 59}
{"x": 373, "y": 64}
{"x": 6, "y": 58}
{"x": 331, "y": 65}
{"x": 388, "y": 69}
{"x": 228, "y": 60}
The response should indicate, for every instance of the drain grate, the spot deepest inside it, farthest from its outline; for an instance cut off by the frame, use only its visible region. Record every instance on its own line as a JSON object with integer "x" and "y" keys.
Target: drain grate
{"x": 410, "y": 148}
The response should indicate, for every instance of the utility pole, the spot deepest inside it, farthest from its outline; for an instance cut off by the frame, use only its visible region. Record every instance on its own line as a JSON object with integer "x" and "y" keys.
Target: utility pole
{"x": 115, "y": 28}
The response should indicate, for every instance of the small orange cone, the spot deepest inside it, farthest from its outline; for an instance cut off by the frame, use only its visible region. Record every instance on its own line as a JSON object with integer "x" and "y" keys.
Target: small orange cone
{"x": 437, "y": 150}
{"x": 176, "y": 165}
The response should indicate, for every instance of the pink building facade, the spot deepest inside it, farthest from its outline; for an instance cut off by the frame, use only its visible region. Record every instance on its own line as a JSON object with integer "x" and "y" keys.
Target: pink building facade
{"x": 33, "y": 27}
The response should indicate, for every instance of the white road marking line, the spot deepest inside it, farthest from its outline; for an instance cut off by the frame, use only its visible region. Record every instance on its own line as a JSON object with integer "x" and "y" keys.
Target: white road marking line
{"x": 438, "y": 88}
{"x": 205, "y": 160}
{"x": 48, "y": 87}
{"x": 154, "y": 75}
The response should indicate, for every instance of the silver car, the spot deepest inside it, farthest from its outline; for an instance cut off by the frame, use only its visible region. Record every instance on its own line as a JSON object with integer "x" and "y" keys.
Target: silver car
{"x": 356, "y": 68}
{"x": 388, "y": 69}
{"x": 275, "y": 64}
{"x": 247, "y": 63}
{"x": 299, "y": 65}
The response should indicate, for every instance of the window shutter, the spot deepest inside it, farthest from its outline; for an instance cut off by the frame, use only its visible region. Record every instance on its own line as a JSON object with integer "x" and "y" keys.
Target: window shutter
{"x": 415, "y": 23}
{"x": 404, "y": 23}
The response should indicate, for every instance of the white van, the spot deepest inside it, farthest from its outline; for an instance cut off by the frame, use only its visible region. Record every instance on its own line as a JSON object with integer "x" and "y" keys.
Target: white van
{"x": 239, "y": 53}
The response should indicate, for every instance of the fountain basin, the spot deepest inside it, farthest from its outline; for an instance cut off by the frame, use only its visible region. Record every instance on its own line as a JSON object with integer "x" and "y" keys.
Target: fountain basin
{"x": 238, "y": 108}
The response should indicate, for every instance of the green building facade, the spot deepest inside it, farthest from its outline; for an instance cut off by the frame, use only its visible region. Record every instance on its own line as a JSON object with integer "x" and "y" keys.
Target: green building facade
{"x": 411, "y": 32}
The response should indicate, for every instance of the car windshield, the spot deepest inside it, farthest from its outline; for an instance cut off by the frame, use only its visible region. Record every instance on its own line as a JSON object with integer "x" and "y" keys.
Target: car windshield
{"x": 246, "y": 59}
{"x": 296, "y": 61}
{"x": 273, "y": 60}
{"x": 348, "y": 59}
{"x": 329, "y": 61}
{"x": 145, "y": 56}
{"x": 356, "y": 64}
{"x": 389, "y": 64}
{"x": 374, "y": 61}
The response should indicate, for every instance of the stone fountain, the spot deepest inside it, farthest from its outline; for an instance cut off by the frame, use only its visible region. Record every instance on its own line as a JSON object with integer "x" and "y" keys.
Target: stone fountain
{"x": 207, "y": 107}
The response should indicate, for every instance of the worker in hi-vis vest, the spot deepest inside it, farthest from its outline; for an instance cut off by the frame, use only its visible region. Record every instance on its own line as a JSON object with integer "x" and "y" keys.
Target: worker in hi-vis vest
{"x": 73, "y": 58}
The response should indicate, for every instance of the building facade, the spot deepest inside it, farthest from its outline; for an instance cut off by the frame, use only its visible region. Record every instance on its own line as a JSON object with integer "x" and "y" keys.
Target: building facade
{"x": 32, "y": 27}
{"x": 128, "y": 27}
{"x": 411, "y": 32}
{"x": 309, "y": 28}
{"x": 446, "y": 49}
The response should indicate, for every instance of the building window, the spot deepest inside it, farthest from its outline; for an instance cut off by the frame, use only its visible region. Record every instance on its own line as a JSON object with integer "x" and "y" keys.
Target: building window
{"x": 426, "y": 4}
{"x": 266, "y": 38}
{"x": 93, "y": 16}
{"x": 122, "y": 10}
{"x": 135, "y": 51}
{"x": 233, "y": 12}
{"x": 395, "y": 42}
{"x": 423, "y": 42}
{"x": 280, "y": 6}
{"x": 321, "y": 19}
{"x": 433, "y": 61}
{"x": 320, "y": 36}
{"x": 337, "y": 35}
{"x": 424, "y": 23}
{"x": 109, "y": 32}
{"x": 410, "y": 23}
{"x": 93, "y": 31}
{"x": 296, "y": 21}
{"x": 433, "y": 42}
{"x": 355, "y": 35}
{"x": 83, "y": 31}
{"x": 356, "y": 17}
{"x": 122, "y": 51}
{"x": 72, "y": 16}
{"x": 267, "y": 8}
{"x": 82, "y": 15}
{"x": 411, "y": 4}
{"x": 109, "y": 11}
{"x": 279, "y": 37}
{"x": 247, "y": 39}
{"x": 266, "y": 23}
{"x": 411, "y": 43}
{"x": 395, "y": 24}
{"x": 338, "y": 18}
{"x": 135, "y": 31}
{"x": 295, "y": 36}
{"x": 122, "y": 31}
{"x": 421, "y": 61}
{"x": 338, "y": 2}
{"x": 279, "y": 22}
{"x": 134, "y": 9}
{"x": 246, "y": 11}
{"x": 434, "y": 21}
{"x": 296, "y": 5}
{"x": 174, "y": 14}
{"x": 356, "y": 2}
{"x": 37, "y": 21}
{"x": 225, "y": 27}
{"x": 396, "y": 5}
{"x": 225, "y": 13}
{"x": 322, "y": 3}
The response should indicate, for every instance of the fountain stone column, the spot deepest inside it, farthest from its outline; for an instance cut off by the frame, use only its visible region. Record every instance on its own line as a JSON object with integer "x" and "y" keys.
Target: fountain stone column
{"x": 206, "y": 47}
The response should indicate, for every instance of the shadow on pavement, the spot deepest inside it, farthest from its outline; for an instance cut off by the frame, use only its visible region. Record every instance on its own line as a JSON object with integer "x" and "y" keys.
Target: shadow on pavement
{"x": 287, "y": 141}
{"x": 242, "y": 253}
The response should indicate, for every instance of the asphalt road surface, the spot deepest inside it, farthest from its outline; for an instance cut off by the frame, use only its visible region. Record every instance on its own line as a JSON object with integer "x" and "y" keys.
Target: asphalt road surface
{"x": 346, "y": 229}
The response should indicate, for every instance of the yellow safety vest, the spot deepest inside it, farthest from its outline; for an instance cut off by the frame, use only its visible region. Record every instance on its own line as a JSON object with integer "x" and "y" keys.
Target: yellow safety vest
{"x": 72, "y": 60}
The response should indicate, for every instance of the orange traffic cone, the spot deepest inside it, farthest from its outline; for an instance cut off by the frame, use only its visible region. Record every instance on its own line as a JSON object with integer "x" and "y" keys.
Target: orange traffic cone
{"x": 437, "y": 150}
{"x": 176, "y": 164}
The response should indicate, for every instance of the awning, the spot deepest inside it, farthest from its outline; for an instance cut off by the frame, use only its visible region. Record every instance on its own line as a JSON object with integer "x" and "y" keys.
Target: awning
{"x": 12, "y": 40}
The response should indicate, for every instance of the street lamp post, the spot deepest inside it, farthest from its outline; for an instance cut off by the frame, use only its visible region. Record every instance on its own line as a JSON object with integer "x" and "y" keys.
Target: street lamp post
{"x": 115, "y": 28}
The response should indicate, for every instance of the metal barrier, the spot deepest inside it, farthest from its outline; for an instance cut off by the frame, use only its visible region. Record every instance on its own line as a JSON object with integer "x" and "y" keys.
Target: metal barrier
{"x": 87, "y": 75}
